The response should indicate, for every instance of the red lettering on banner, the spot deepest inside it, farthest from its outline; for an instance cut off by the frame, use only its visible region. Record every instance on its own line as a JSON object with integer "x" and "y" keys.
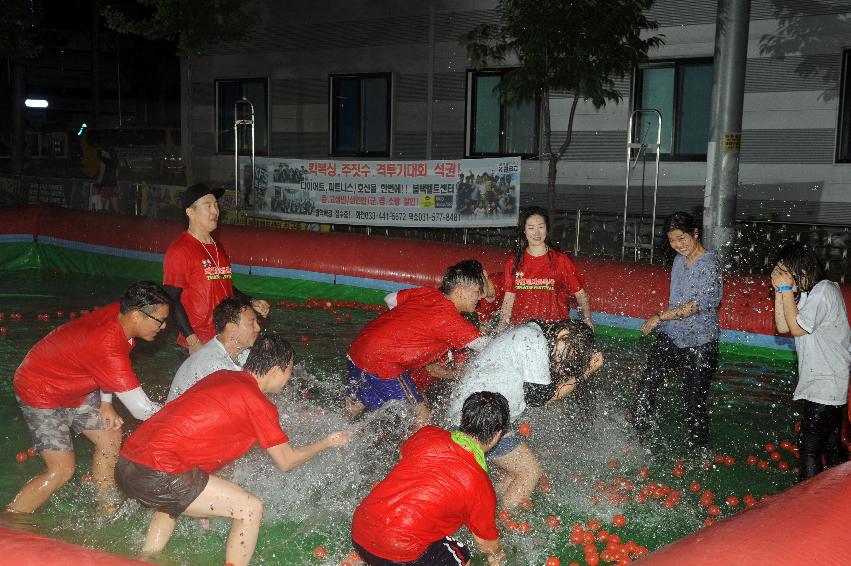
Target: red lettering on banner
{"x": 448, "y": 169}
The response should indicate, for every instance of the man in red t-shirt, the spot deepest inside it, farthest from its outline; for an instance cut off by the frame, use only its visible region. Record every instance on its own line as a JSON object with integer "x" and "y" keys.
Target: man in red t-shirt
{"x": 197, "y": 271}
{"x": 167, "y": 464}
{"x": 422, "y": 325}
{"x": 67, "y": 380}
{"x": 440, "y": 483}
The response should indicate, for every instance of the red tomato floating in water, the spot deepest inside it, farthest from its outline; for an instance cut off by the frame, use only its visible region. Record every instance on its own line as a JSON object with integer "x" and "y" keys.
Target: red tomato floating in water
{"x": 21, "y": 456}
{"x": 694, "y": 486}
{"x": 784, "y": 466}
{"x": 553, "y": 561}
{"x": 594, "y": 525}
{"x": 526, "y": 503}
{"x": 320, "y": 552}
{"x": 732, "y": 501}
{"x": 553, "y": 522}
{"x": 619, "y": 520}
{"x": 751, "y": 460}
{"x": 4, "y": 330}
{"x": 708, "y": 521}
{"x": 729, "y": 460}
{"x": 775, "y": 456}
{"x": 714, "y": 510}
{"x": 31, "y": 451}
{"x": 523, "y": 527}
{"x": 305, "y": 339}
{"x": 524, "y": 429}
{"x": 613, "y": 464}
{"x": 718, "y": 459}
{"x": 678, "y": 472}
{"x": 770, "y": 447}
{"x": 644, "y": 472}
{"x": 503, "y": 515}
{"x": 762, "y": 465}
{"x": 749, "y": 500}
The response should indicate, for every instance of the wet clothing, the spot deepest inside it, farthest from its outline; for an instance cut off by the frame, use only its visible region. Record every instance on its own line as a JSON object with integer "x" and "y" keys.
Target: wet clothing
{"x": 542, "y": 286}
{"x": 374, "y": 391}
{"x": 697, "y": 364}
{"x": 820, "y": 437}
{"x": 444, "y": 552}
{"x": 436, "y": 487}
{"x": 51, "y": 428}
{"x": 204, "y": 273}
{"x": 75, "y": 359}
{"x": 161, "y": 491}
{"x": 422, "y": 327}
{"x": 703, "y": 283}
{"x": 486, "y": 311}
{"x": 207, "y": 427}
{"x": 209, "y": 358}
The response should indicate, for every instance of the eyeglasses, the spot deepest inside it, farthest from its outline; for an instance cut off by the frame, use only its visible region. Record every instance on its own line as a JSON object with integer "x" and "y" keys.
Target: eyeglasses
{"x": 160, "y": 321}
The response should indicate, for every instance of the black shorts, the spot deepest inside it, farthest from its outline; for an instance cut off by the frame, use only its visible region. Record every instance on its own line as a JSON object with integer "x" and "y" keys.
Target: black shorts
{"x": 444, "y": 552}
{"x": 161, "y": 491}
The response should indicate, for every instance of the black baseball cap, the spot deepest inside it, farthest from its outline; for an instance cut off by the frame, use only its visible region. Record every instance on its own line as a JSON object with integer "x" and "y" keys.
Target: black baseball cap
{"x": 193, "y": 193}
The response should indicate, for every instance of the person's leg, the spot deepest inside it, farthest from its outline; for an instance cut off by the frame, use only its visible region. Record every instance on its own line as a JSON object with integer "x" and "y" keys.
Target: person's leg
{"x": 835, "y": 452}
{"x": 107, "y": 444}
{"x": 660, "y": 357}
{"x": 60, "y": 469}
{"x": 444, "y": 552}
{"x": 159, "y": 533}
{"x": 222, "y": 498}
{"x": 811, "y": 439}
{"x": 524, "y": 471}
{"x": 702, "y": 363}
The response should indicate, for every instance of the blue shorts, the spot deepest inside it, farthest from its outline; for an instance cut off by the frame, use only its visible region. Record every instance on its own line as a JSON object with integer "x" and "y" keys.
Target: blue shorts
{"x": 509, "y": 441}
{"x": 373, "y": 391}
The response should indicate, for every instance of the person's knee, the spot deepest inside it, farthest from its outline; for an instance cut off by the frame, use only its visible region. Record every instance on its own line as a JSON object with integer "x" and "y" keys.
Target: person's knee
{"x": 61, "y": 472}
{"x": 253, "y": 510}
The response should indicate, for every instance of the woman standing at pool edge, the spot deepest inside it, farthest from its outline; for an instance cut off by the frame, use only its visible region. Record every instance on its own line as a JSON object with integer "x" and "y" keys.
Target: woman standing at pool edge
{"x": 539, "y": 276}
{"x": 687, "y": 331}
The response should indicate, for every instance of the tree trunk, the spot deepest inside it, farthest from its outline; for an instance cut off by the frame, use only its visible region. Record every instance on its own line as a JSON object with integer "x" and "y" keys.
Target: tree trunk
{"x": 95, "y": 33}
{"x": 552, "y": 169}
{"x": 186, "y": 118}
{"x": 18, "y": 130}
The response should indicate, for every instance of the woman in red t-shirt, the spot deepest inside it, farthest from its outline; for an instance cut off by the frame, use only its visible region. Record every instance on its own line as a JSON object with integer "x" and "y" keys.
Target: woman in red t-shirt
{"x": 539, "y": 278}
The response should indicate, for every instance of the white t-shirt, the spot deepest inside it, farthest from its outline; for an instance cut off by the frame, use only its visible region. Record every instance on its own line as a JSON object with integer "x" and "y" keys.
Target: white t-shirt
{"x": 824, "y": 353}
{"x": 517, "y": 356}
{"x": 209, "y": 358}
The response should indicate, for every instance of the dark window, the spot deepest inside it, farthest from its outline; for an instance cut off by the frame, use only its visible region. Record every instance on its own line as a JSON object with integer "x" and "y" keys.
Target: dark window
{"x": 843, "y": 145}
{"x": 228, "y": 92}
{"x": 360, "y": 114}
{"x": 499, "y": 128}
{"x": 682, "y": 92}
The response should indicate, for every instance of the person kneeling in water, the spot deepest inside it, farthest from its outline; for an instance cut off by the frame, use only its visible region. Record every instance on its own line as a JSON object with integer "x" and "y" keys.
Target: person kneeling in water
{"x": 168, "y": 462}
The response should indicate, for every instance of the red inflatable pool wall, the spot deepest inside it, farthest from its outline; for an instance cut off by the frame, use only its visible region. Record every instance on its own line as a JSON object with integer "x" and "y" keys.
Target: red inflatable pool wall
{"x": 616, "y": 288}
{"x": 28, "y": 549}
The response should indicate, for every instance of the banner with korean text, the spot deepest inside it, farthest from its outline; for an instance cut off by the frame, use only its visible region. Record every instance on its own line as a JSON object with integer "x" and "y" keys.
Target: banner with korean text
{"x": 461, "y": 193}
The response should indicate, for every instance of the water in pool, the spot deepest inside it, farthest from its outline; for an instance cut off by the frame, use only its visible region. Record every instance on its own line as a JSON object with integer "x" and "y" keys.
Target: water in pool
{"x": 596, "y": 469}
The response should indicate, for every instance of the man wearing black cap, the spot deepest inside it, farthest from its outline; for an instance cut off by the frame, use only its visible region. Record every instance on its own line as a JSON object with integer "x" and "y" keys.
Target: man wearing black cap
{"x": 197, "y": 269}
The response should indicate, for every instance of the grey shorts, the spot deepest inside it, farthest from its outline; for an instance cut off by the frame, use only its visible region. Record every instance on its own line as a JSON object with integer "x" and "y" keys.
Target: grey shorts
{"x": 161, "y": 491}
{"x": 509, "y": 441}
{"x": 51, "y": 428}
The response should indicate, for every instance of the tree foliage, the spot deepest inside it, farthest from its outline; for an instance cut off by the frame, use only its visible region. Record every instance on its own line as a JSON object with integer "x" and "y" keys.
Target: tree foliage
{"x": 21, "y": 35}
{"x": 192, "y": 25}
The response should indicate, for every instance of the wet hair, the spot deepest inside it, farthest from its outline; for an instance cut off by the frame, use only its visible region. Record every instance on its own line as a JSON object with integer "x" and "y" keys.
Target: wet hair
{"x": 801, "y": 261}
{"x": 522, "y": 242}
{"x": 682, "y": 221}
{"x": 229, "y": 310}
{"x": 141, "y": 295}
{"x": 483, "y": 415}
{"x": 580, "y": 346}
{"x": 463, "y": 274}
{"x": 268, "y": 352}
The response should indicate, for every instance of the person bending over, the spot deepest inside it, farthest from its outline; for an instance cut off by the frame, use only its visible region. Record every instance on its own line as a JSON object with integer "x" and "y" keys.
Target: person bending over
{"x": 66, "y": 383}
{"x": 167, "y": 464}
{"x": 236, "y": 330}
{"x": 440, "y": 483}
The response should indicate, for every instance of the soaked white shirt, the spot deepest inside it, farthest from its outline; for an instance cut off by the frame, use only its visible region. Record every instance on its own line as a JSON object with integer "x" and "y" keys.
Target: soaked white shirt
{"x": 209, "y": 358}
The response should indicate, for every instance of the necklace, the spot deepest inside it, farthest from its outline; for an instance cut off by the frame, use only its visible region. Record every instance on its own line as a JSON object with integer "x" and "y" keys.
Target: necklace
{"x": 214, "y": 261}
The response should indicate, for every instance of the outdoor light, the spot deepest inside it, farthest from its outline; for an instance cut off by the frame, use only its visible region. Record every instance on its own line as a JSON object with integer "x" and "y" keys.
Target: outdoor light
{"x": 35, "y": 103}
{"x": 83, "y": 127}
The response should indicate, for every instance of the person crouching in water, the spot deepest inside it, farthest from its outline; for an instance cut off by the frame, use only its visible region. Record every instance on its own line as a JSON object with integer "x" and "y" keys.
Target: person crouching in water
{"x": 440, "y": 483}
{"x": 811, "y": 309}
{"x": 167, "y": 464}
{"x": 530, "y": 365}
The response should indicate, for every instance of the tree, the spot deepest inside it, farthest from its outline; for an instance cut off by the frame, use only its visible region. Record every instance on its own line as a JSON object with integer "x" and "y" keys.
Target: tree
{"x": 577, "y": 46}
{"x": 193, "y": 26}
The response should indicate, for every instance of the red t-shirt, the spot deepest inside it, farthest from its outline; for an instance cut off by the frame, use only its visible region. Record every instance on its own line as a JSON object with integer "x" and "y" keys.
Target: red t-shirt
{"x": 542, "y": 286}
{"x": 65, "y": 366}
{"x": 423, "y": 379}
{"x": 423, "y": 326}
{"x": 436, "y": 487}
{"x": 210, "y": 425}
{"x": 204, "y": 273}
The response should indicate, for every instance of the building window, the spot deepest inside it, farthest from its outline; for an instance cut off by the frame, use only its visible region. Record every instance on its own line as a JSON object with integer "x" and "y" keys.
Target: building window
{"x": 228, "y": 92}
{"x": 497, "y": 128}
{"x": 360, "y": 114}
{"x": 682, "y": 92}
{"x": 843, "y": 144}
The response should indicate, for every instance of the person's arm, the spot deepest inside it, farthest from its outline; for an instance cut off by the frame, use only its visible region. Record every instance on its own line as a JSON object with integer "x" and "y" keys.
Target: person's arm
{"x": 505, "y": 311}
{"x": 261, "y": 306}
{"x": 790, "y": 313}
{"x": 585, "y": 306}
{"x": 139, "y": 405}
{"x": 286, "y": 457}
{"x": 110, "y": 419}
{"x": 181, "y": 319}
{"x": 779, "y": 315}
{"x": 785, "y": 307}
{"x": 491, "y": 549}
{"x": 478, "y": 344}
{"x": 684, "y": 311}
{"x": 441, "y": 371}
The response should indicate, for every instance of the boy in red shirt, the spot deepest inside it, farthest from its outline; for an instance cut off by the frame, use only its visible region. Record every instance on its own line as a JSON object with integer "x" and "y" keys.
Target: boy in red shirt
{"x": 67, "y": 380}
{"x": 422, "y": 325}
{"x": 440, "y": 483}
{"x": 168, "y": 463}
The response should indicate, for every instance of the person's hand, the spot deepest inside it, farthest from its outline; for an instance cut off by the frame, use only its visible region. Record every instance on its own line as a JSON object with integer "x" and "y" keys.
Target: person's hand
{"x": 109, "y": 418}
{"x": 193, "y": 343}
{"x": 490, "y": 292}
{"x": 262, "y": 307}
{"x": 589, "y": 322}
{"x": 781, "y": 277}
{"x": 595, "y": 364}
{"x": 338, "y": 439}
{"x": 650, "y": 324}
{"x": 497, "y": 558}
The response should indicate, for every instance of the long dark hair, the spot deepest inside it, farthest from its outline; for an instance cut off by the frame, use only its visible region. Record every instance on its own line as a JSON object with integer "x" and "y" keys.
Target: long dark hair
{"x": 522, "y": 242}
{"x": 801, "y": 261}
{"x": 580, "y": 339}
